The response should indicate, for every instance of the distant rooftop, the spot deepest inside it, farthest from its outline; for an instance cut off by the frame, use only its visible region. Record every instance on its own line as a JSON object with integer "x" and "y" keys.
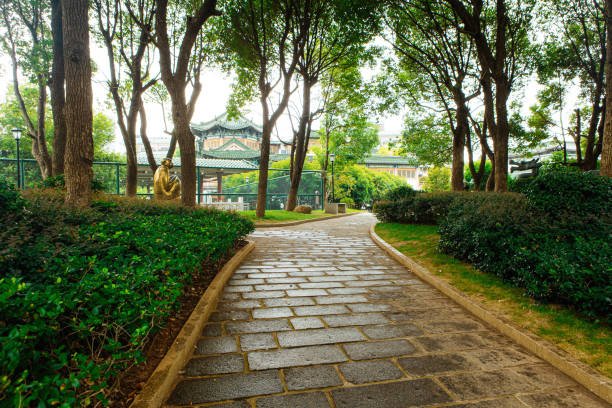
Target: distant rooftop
{"x": 390, "y": 160}
{"x": 223, "y": 122}
{"x": 206, "y": 163}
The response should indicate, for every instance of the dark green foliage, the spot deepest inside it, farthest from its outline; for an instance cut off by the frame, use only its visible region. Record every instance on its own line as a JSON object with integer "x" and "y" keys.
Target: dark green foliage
{"x": 81, "y": 291}
{"x": 567, "y": 194}
{"x": 11, "y": 203}
{"x": 421, "y": 208}
{"x": 59, "y": 182}
{"x": 553, "y": 241}
{"x": 400, "y": 193}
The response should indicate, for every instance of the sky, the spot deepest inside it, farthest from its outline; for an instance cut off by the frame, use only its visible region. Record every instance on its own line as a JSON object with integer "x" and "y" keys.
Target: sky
{"x": 216, "y": 90}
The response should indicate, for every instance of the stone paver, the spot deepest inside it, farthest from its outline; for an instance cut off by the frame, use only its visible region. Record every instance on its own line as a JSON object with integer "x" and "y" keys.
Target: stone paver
{"x": 319, "y": 316}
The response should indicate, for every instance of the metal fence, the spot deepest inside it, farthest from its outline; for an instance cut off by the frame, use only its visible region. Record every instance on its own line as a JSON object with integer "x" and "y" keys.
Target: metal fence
{"x": 239, "y": 191}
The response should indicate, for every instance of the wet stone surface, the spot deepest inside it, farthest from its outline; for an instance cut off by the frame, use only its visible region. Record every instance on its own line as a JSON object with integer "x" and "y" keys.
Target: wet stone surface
{"x": 319, "y": 316}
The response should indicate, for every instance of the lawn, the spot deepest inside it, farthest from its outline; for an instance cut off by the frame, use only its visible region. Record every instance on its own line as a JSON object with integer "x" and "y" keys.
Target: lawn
{"x": 288, "y": 216}
{"x": 585, "y": 340}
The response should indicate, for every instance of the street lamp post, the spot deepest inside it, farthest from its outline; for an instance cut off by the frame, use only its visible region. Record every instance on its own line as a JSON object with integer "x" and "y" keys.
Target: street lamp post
{"x": 332, "y": 159}
{"x": 17, "y": 136}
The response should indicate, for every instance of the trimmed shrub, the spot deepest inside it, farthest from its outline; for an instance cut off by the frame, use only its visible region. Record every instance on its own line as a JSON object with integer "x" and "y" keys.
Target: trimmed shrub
{"x": 537, "y": 242}
{"x": 421, "y": 208}
{"x": 564, "y": 195}
{"x": 400, "y": 193}
{"x": 82, "y": 291}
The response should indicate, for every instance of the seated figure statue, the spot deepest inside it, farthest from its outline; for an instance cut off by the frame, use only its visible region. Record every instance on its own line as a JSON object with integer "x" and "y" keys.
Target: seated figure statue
{"x": 166, "y": 187}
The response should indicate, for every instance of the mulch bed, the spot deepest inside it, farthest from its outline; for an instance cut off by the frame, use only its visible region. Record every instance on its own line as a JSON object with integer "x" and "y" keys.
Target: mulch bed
{"x": 132, "y": 381}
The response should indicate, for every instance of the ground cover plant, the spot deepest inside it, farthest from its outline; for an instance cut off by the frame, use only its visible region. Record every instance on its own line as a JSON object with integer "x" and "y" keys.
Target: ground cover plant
{"x": 81, "y": 291}
{"x": 588, "y": 341}
{"x": 552, "y": 240}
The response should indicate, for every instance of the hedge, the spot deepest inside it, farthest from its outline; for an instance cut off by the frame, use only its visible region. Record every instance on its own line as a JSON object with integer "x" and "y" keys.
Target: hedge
{"x": 82, "y": 291}
{"x": 553, "y": 240}
{"x": 504, "y": 235}
{"x": 420, "y": 208}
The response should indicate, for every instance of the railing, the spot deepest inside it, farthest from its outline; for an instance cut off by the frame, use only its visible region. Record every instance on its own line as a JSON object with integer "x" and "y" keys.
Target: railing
{"x": 112, "y": 176}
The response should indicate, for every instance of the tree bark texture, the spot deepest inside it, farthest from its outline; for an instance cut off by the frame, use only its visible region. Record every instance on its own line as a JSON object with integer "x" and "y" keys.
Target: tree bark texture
{"x": 78, "y": 111}
{"x": 56, "y": 87}
{"x": 459, "y": 139}
{"x": 606, "y": 154}
{"x": 145, "y": 138}
{"x": 264, "y": 165}
{"x": 301, "y": 147}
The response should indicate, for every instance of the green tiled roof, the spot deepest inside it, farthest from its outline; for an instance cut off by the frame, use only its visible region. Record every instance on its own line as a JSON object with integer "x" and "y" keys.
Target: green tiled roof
{"x": 232, "y": 154}
{"x": 205, "y": 163}
{"x": 232, "y": 141}
{"x": 390, "y": 160}
{"x": 222, "y": 121}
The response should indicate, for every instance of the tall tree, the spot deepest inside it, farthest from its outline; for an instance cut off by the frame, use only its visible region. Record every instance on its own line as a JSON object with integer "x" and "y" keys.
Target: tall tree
{"x": 26, "y": 42}
{"x": 575, "y": 53}
{"x": 429, "y": 41}
{"x": 266, "y": 45}
{"x": 78, "y": 110}
{"x": 344, "y": 127}
{"x": 56, "y": 88}
{"x": 499, "y": 30}
{"x": 126, "y": 31}
{"x": 606, "y": 155}
{"x": 180, "y": 66}
{"x": 335, "y": 33}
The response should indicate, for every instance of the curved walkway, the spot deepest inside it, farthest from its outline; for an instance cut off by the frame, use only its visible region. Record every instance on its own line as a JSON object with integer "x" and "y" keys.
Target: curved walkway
{"x": 319, "y": 316}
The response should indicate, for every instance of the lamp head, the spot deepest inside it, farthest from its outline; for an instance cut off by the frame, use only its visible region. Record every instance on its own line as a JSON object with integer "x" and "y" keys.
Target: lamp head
{"x": 332, "y": 157}
{"x": 16, "y": 133}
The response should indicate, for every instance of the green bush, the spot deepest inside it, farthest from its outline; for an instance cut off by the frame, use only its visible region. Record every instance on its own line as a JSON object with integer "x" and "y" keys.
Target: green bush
{"x": 358, "y": 185}
{"x": 540, "y": 241}
{"x": 59, "y": 182}
{"x": 82, "y": 291}
{"x": 400, "y": 193}
{"x": 421, "y": 208}
{"x": 563, "y": 194}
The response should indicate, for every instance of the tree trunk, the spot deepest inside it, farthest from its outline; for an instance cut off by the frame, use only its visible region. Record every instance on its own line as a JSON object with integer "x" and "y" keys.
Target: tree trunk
{"x": 577, "y": 136}
{"x": 186, "y": 142}
{"x": 301, "y": 147}
{"x": 500, "y": 140}
{"x": 459, "y": 138}
{"x": 590, "y": 157}
{"x": 264, "y": 163}
{"x": 606, "y": 154}
{"x": 39, "y": 148}
{"x": 145, "y": 138}
{"x": 58, "y": 98}
{"x": 132, "y": 159}
{"x": 78, "y": 109}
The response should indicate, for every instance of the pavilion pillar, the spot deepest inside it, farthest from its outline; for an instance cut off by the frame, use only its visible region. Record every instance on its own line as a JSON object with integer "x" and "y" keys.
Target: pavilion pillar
{"x": 219, "y": 185}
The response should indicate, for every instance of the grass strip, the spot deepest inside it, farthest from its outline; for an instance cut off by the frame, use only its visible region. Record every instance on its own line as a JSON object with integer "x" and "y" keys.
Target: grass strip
{"x": 286, "y": 216}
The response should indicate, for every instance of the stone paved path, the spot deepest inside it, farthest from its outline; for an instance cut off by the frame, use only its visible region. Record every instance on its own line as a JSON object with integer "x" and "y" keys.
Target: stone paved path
{"x": 319, "y": 316}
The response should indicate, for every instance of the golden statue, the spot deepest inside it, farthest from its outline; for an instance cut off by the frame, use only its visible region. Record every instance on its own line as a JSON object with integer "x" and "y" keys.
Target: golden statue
{"x": 166, "y": 187}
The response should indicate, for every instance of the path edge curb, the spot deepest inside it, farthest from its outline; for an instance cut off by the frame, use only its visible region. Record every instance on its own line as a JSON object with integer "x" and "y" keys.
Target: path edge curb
{"x": 160, "y": 383}
{"x": 580, "y": 372}
{"x": 293, "y": 223}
